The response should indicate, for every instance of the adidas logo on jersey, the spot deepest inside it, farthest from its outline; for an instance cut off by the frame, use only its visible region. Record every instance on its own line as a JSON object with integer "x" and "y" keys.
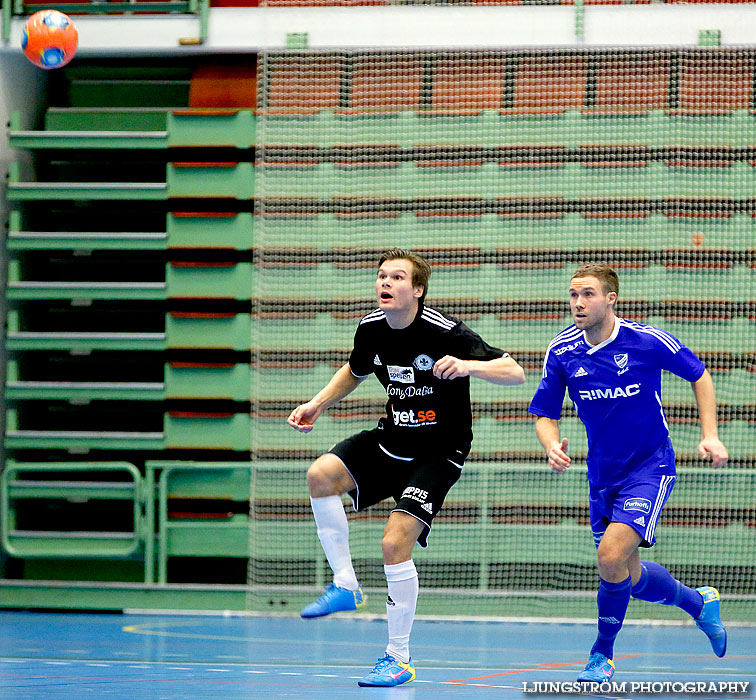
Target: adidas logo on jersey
{"x": 640, "y": 521}
{"x": 580, "y": 373}
{"x": 377, "y": 360}
{"x": 427, "y": 507}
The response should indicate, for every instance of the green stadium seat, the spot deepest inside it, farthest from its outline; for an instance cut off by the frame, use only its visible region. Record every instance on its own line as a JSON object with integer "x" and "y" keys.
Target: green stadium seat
{"x": 206, "y": 280}
{"x": 210, "y": 230}
{"x": 200, "y": 179}
{"x": 200, "y": 329}
{"x": 208, "y": 380}
{"x": 104, "y": 119}
{"x": 207, "y": 430}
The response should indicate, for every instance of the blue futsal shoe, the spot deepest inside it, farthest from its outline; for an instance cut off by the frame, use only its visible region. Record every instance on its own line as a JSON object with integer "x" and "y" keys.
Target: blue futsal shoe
{"x": 335, "y": 599}
{"x": 387, "y": 673}
{"x": 709, "y": 621}
{"x": 598, "y": 669}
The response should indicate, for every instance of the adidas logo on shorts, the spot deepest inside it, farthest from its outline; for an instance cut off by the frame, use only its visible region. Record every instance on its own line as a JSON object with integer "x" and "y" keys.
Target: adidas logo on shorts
{"x": 640, "y": 521}
{"x": 427, "y": 507}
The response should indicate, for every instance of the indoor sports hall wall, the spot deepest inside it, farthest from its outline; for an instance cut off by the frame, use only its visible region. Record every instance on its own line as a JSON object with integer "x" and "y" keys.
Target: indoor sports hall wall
{"x": 197, "y": 240}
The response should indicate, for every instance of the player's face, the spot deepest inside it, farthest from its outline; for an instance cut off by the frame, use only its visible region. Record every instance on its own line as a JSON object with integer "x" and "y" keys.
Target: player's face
{"x": 590, "y": 305}
{"x": 393, "y": 287}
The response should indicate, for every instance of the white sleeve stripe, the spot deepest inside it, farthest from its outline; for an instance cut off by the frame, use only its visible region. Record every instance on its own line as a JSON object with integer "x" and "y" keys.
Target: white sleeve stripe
{"x": 663, "y": 336}
{"x": 431, "y": 314}
{"x": 565, "y": 336}
{"x": 448, "y": 325}
{"x": 376, "y": 315}
{"x": 571, "y": 333}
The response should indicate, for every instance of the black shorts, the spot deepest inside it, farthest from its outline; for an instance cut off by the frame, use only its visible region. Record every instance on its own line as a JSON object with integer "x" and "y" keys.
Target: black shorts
{"x": 418, "y": 485}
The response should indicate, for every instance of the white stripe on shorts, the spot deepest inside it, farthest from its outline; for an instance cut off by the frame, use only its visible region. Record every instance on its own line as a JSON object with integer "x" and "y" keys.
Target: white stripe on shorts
{"x": 665, "y": 485}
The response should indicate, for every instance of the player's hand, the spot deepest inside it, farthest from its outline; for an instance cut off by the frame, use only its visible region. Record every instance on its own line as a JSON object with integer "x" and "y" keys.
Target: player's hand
{"x": 303, "y": 417}
{"x": 712, "y": 448}
{"x": 559, "y": 460}
{"x": 449, "y": 367}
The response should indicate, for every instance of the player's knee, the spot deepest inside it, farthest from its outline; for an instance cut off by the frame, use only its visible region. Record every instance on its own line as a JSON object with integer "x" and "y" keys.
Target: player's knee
{"x": 610, "y": 562}
{"x": 393, "y": 548}
{"x": 326, "y": 479}
{"x": 396, "y": 546}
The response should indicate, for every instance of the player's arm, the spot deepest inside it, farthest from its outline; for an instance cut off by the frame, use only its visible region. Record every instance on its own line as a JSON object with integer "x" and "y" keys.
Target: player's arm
{"x": 501, "y": 370}
{"x": 547, "y": 430}
{"x": 303, "y": 417}
{"x": 711, "y": 446}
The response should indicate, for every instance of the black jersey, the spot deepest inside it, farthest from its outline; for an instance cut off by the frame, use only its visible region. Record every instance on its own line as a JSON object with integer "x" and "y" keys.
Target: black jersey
{"x": 423, "y": 413}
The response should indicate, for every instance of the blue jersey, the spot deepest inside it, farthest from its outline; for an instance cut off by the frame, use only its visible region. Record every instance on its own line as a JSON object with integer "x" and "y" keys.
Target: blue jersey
{"x": 615, "y": 387}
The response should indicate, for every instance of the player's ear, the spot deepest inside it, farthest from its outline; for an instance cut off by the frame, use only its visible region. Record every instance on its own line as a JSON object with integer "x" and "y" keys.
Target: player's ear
{"x": 611, "y": 297}
{"x": 418, "y": 290}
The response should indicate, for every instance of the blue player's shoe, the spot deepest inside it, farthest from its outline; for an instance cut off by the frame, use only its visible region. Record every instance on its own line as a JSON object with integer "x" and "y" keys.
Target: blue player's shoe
{"x": 598, "y": 669}
{"x": 335, "y": 599}
{"x": 388, "y": 672}
{"x": 710, "y": 622}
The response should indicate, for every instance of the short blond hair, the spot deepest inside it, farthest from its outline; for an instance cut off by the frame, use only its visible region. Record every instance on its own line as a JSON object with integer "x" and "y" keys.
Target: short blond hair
{"x": 603, "y": 273}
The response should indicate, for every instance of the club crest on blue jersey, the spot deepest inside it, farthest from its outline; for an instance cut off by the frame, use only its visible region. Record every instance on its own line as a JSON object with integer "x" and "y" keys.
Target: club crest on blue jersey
{"x": 621, "y": 361}
{"x": 640, "y": 504}
{"x": 423, "y": 362}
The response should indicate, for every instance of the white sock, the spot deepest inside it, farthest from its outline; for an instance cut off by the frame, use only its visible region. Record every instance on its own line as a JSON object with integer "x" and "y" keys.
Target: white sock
{"x": 400, "y": 607}
{"x": 333, "y": 532}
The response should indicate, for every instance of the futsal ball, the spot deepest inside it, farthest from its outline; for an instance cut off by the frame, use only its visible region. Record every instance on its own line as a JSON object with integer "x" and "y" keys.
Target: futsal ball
{"x": 50, "y": 39}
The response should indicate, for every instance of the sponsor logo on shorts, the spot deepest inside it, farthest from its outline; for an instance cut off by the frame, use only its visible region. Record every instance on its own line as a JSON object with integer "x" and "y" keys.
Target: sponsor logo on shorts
{"x": 641, "y": 504}
{"x": 640, "y": 521}
{"x": 410, "y": 419}
{"x": 406, "y": 375}
{"x": 415, "y": 494}
{"x": 377, "y": 360}
{"x": 428, "y": 507}
{"x": 389, "y": 601}
{"x": 407, "y": 392}
{"x": 423, "y": 362}
{"x": 610, "y": 393}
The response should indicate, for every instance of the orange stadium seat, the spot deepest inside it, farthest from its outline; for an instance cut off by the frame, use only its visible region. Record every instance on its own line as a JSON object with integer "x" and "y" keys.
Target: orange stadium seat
{"x": 632, "y": 82}
{"x": 219, "y": 85}
{"x": 311, "y": 82}
{"x": 716, "y": 81}
{"x": 472, "y": 83}
{"x": 386, "y": 83}
{"x": 550, "y": 83}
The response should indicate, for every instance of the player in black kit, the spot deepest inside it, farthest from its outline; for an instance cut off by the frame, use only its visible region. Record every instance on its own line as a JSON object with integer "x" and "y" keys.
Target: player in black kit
{"x": 424, "y": 359}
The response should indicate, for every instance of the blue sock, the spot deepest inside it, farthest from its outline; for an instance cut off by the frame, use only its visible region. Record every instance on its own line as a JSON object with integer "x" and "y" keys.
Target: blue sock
{"x": 612, "y": 599}
{"x": 657, "y": 585}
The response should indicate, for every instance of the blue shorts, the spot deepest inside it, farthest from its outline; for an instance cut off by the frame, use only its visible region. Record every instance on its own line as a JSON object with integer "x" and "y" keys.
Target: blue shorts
{"x": 637, "y": 503}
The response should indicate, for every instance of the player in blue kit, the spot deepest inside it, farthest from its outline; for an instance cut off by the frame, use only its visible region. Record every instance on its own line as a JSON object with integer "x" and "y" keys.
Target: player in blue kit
{"x": 423, "y": 358}
{"x": 611, "y": 368}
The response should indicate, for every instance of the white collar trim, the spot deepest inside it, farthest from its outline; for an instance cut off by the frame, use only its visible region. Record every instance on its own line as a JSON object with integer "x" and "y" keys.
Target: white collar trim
{"x": 594, "y": 348}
